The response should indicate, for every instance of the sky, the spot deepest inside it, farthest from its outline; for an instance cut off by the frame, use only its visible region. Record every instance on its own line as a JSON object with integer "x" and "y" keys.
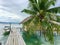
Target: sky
{"x": 10, "y": 10}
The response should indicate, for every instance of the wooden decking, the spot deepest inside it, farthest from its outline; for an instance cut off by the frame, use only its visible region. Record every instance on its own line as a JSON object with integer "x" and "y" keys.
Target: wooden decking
{"x": 15, "y": 38}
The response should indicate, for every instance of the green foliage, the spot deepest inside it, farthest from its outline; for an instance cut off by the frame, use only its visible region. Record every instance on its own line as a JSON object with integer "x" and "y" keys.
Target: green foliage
{"x": 31, "y": 38}
{"x": 58, "y": 18}
{"x": 29, "y": 11}
{"x": 54, "y": 10}
{"x": 6, "y": 33}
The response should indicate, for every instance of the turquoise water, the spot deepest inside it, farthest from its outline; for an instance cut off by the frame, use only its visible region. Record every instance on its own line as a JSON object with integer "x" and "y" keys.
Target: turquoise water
{"x": 56, "y": 41}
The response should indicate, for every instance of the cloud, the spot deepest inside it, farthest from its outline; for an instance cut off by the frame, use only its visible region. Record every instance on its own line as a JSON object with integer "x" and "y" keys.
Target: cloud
{"x": 6, "y": 16}
{"x": 58, "y": 3}
{"x": 14, "y": 6}
{"x": 1, "y": 2}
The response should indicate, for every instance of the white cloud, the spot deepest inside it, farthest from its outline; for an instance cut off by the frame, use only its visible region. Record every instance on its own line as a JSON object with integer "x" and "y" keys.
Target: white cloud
{"x": 5, "y": 16}
{"x": 3, "y": 7}
{"x": 14, "y": 6}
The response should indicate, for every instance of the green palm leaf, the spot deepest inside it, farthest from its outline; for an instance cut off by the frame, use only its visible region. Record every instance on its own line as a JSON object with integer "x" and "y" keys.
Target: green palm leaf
{"x": 29, "y": 11}
{"x": 54, "y": 10}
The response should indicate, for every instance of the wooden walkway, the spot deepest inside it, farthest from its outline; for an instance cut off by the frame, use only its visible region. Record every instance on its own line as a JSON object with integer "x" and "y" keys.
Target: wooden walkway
{"x": 15, "y": 38}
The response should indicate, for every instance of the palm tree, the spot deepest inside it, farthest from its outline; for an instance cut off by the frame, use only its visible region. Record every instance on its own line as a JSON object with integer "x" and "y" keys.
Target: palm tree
{"x": 42, "y": 18}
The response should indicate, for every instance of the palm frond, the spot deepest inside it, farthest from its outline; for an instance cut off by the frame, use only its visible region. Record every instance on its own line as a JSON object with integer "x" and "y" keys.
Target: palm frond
{"x": 54, "y": 10}
{"x": 58, "y": 18}
{"x": 49, "y": 3}
{"x": 45, "y": 4}
{"x": 34, "y": 5}
{"x": 29, "y": 11}
{"x": 54, "y": 22}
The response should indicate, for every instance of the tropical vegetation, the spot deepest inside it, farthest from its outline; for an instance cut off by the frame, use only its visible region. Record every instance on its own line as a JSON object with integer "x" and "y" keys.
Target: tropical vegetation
{"x": 42, "y": 18}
